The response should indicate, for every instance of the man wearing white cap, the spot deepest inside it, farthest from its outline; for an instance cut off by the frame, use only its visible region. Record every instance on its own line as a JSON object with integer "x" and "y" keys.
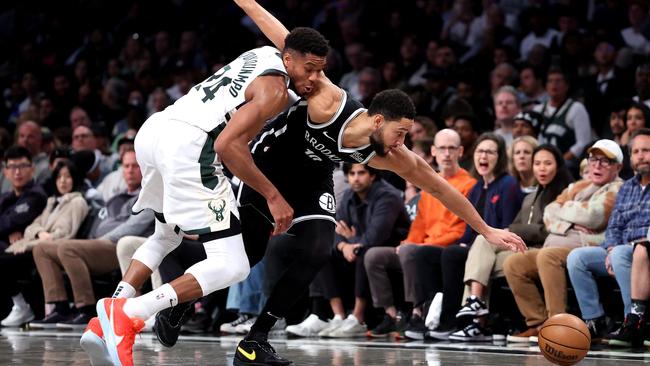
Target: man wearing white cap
{"x": 623, "y": 254}
{"x": 577, "y": 218}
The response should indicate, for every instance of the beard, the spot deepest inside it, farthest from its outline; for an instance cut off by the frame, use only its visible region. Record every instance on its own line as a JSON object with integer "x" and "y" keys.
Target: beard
{"x": 377, "y": 143}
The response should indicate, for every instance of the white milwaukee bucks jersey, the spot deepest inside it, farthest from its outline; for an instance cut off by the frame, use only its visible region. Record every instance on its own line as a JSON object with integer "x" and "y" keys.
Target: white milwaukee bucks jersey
{"x": 213, "y": 101}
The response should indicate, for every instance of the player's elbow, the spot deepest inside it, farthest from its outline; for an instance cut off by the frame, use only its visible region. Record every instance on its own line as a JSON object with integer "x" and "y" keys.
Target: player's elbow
{"x": 223, "y": 148}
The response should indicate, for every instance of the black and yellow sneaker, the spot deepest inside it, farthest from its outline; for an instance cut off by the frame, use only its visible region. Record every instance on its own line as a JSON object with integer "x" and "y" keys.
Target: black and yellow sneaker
{"x": 257, "y": 353}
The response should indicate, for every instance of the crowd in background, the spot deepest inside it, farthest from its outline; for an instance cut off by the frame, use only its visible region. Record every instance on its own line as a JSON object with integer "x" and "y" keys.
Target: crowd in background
{"x": 535, "y": 110}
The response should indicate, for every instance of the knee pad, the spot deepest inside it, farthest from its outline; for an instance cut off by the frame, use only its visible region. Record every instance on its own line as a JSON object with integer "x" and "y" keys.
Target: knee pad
{"x": 226, "y": 264}
{"x": 157, "y": 246}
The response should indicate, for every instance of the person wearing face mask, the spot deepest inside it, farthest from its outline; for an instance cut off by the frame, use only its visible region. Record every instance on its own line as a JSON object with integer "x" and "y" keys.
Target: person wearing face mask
{"x": 485, "y": 261}
{"x": 577, "y": 218}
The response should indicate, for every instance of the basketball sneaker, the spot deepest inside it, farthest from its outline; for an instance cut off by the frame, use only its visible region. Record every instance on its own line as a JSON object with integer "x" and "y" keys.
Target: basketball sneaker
{"x": 119, "y": 330}
{"x": 257, "y": 352}
{"x": 19, "y": 315}
{"x": 309, "y": 327}
{"x": 332, "y": 325}
{"x": 416, "y": 328}
{"x": 349, "y": 328}
{"x": 474, "y": 332}
{"x": 169, "y": 321}
{"x": 232, "y": 326}
{"x": 92, "y": 342}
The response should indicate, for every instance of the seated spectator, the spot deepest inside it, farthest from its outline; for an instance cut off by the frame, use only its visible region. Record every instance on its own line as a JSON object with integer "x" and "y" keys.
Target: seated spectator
{"x": 633, "y": 36}
{"x": 371, "y": 215}
{"x": 566, "y": 122}
{"x": 506, "y": 107}
{"x": 485, "y": 261}
{"x": 521, "y": 162}
{"x": 467, "y": 127}
{"x": 18, "y": 209}
{"x": 423, "y": 128}
{"x": 635, "y": 118}
{"x": 81, "y": 258}
{"x": 527, "y": 123}
{"x": 628, "y": 224}
{"x": 578, "y": 217}
{"x": 434, "y": 226}
{"x": 497, "y": 198}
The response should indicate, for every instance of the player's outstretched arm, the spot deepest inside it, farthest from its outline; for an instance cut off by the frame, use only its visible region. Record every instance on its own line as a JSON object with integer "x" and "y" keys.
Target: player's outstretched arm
{"x": 266, "y": 97}
{"x": 411, "y": 167}
{"x": 268, "y": 24}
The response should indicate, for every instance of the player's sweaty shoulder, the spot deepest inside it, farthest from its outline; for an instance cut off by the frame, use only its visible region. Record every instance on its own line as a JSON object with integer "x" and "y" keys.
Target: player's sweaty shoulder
{"x": 324, "y": 104}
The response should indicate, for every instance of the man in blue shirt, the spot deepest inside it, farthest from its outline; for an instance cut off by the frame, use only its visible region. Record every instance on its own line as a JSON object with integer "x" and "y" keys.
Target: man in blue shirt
{"x": 623, "y": 254}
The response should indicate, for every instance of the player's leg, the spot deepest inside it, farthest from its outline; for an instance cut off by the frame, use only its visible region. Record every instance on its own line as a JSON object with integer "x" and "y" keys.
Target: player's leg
{"x": 312, "y": 241}
{"x": 226, "y": 263}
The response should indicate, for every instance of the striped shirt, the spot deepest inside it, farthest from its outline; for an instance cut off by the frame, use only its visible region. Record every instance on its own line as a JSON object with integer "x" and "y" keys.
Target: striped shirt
{"x": 630, "y": 219}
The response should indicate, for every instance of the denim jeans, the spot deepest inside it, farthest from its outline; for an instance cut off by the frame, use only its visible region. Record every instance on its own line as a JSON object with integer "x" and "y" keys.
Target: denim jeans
{"x": 588, "y": 263}
{"x": 247, "y": 296}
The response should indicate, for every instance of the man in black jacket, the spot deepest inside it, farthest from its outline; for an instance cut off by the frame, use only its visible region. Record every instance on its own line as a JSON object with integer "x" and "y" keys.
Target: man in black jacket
{"x": 371, "y": 213}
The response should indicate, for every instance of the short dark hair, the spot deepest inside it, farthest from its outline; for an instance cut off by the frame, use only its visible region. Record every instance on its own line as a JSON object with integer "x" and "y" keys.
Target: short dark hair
{"x": 307, "y": 40}
{"x": 77, "y": 178}
{"x": 645, "y": 131}
{"x": 348, "y": 166}
{"x": 17, "y": 152}
{"x": 393, "y": 104}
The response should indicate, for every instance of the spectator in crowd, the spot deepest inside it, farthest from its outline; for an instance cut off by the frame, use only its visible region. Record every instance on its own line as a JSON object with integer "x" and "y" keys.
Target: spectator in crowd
{"x": 642, "y": 84}
{"x": 433, "y": 229}
{"x": 527, "y": 123}
{"x": 355, "y": 54}
{"x": 497, "y": 197}
{"x": 466, "y": 126}
{"x": 617, "y": 120}
{"x": 31, "y": 138}
{"x": 423, "y": 127}
{"x": 604, "y": 88}
{"x": 422, "y": 147}
{"x": 618, "y": 255}
{"x": 531, "y": 87}
{"x": 94, "y": 255}
{"x": 540, "y": 32}
{"x": 371, "y": 215}
{"x": 566, "y": 122}
{"x": 485, "y": 261}
{"x": 18, "y": 209}
{"x": 506, "y": 107}
{"x": 578, "y": 217}
{"x": 633, "y": 35}
{"x": 635, "y": 118}
{"x": 521, "y": 163}
{"x": 368, "y": 85}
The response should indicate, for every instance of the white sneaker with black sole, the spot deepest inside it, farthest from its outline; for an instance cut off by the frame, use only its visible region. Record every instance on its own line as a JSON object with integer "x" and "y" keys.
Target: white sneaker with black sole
{"x": 18, "y": 316}
{"x": 332, "y": 325}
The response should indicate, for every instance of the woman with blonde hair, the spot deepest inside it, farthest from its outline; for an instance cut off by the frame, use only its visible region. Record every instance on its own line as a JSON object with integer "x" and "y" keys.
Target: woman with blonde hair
{"x": 520, "y": 162}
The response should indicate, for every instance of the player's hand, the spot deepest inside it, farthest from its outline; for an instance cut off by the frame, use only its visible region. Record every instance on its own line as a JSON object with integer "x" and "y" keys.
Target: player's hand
{"x": 344, "y": 230}
{"x": 282, "y": 214}
{"x": 506, "y": 240}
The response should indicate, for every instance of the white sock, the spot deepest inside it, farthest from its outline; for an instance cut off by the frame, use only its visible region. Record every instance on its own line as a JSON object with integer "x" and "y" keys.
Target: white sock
{"x": 19, "y": 301}
{"x": 123, "y": 289}
{"x": 149, "y": 304}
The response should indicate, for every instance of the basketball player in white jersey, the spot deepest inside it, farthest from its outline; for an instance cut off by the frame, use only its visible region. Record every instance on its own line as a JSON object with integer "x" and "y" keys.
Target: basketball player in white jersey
{"x": 180, "y": 151}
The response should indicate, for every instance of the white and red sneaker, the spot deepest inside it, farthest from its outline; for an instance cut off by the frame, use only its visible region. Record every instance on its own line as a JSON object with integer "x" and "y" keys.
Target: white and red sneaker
{"x": 119, "y": 330}
{"x": 92, "y": 342}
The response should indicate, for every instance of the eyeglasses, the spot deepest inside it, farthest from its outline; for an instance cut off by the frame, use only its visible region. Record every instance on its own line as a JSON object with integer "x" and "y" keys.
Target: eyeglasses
{"x": 447, "y": 148}
{"x": 605, "y": 162}
{"x": 486, "y": 152}
{"x": 13, "y": 167}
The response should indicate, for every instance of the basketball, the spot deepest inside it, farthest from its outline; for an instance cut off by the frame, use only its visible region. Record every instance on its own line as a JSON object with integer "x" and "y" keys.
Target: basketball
{"x": 564, "y": 339}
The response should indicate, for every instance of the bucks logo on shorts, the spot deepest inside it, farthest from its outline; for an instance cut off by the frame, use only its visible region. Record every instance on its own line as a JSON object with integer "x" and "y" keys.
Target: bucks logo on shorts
{"x": 217, "y": 208}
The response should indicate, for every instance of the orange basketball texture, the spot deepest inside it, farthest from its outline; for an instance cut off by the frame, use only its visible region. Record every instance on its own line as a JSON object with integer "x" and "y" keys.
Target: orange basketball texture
{"x": 564, "y": 339}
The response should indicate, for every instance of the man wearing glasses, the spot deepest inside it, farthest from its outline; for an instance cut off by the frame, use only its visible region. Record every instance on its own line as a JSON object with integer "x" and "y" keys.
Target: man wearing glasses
{"x": 18, "y": 209}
